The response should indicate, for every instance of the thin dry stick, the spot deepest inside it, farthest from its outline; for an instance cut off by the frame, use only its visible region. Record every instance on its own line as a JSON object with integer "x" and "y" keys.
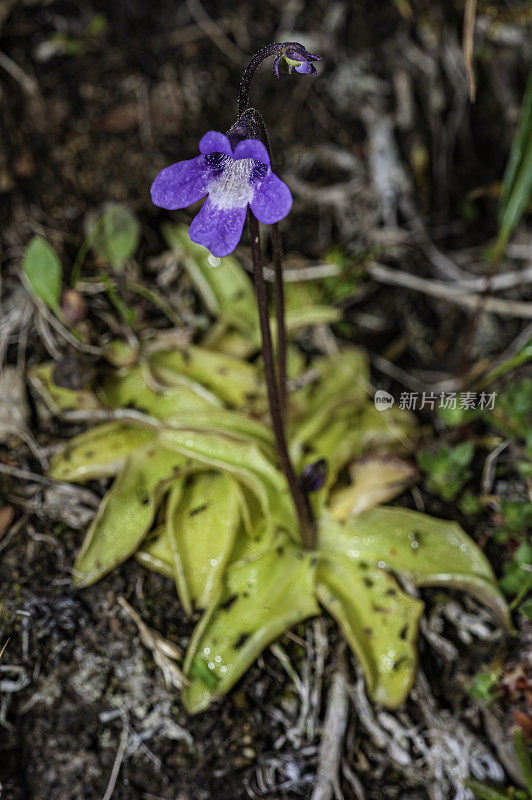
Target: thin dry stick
{"x": 451, "y": 293}
{"x": 214, "y": 31}
{"x": 28, "y": 84}
{"x": 299, "y": 496}
{"x": 117, "y": 764}
{"x": 467, "y": 46}
{"x": 332, "y": 736}
{"x": 279, "y": 314}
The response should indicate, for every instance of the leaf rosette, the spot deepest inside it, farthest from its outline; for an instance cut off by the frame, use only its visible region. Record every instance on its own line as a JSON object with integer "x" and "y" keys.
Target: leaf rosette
{"x": 199, "y": 497}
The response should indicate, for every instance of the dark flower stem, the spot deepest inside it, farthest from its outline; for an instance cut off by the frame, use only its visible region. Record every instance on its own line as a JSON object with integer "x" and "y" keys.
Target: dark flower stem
{"x": 245, "y": 83}
{"x": 277, "y": 253}
{"x": 279, "y": 315}
{"x": 299, "y": 496}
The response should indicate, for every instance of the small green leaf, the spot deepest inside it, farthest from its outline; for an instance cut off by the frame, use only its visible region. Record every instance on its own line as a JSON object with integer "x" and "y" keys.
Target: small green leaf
{"x": 43, "y": 272}
{"x": 482, "y": 686}
{"x": 512, "y": 414}
{"x": 114, "y": 236}
{"x": 517, "y": 515}
{"x": 517, "y": 182}
{"x": 517, "y": 574}
{"x": 484, "y": 792}
{"x": 135, "y": 388}
{"x": 526, "y": 608}
{"x": 447, "y": 469}
{"x": 524, "y": 758}
{"x": 470, "y": 504}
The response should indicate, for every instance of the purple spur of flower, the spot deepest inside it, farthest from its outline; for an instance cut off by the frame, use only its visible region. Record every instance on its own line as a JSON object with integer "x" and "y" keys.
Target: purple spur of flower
{"x": 232, "y": 179}
{"x": 297, "y": 58}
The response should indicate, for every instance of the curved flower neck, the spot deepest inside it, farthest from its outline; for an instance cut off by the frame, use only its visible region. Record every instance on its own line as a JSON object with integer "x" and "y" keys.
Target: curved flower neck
{"x": 292, "y": 52}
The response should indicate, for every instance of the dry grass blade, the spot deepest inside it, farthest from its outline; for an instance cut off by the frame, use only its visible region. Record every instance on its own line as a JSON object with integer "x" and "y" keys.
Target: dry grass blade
{"x": 3, "y": 648}
{"x": 467, "y": 46}
{"x": 449, "y": 292}
{"x": 333, "y": 735}
{"x": 164, "y": 652}
{"x": 215, "y": 33}
{"x": 117, "y": 764}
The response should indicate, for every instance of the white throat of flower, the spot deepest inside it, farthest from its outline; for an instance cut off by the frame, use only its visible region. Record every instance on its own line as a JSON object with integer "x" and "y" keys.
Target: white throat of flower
{"x": 232, "y": 188}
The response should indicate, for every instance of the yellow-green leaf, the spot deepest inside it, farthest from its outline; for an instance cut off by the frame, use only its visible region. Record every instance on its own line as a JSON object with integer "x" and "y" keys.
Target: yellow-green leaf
{"x": 378, "y": 620}
{"x": 156, "y": 553}
{"x": 202, "y": 522}
{"x": 432, "y": 552}
{"x": 127, "y": 511}
{"x": 233, "y": 380}
{"x": 57, "y": 398}
{"x": 261, "y": 599}
{"x": 134, "y": 389}
{"x": 243, "y": 460}
{"x": 100, "y": 452}
{"x": 375, "y": 479}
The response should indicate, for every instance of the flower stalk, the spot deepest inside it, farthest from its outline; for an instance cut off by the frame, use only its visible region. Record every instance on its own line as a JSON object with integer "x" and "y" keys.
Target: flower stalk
{"x": 299, "y": 495}
{"x": 279, "y": 307}
{"x": 298, "y": 58}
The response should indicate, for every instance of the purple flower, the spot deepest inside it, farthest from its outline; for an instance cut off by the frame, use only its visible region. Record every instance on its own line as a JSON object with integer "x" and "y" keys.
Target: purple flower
{"x": 298, "y": 59}
{"x": 232, "y": 179}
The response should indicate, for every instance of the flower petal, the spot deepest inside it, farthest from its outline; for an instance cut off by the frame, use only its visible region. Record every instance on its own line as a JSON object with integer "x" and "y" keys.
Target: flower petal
{"x": 215, "y": 142}
{"x": 272, "y": 200}
{"x": 219, "y": 230}
{"x": 181, "y": 184}
{"x": 306, "y": 68}
{"x": 252, "y": 148}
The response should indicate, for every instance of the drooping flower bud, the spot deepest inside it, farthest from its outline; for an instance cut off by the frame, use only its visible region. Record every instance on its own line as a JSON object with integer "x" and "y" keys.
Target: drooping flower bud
{"x": 297, "y": 58}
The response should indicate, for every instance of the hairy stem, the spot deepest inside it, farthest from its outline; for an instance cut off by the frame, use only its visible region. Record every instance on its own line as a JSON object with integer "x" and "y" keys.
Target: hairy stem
{"x": 270, "y": 50}
{"x": 299, "y": 496}
{"x": 245, "y": 83}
